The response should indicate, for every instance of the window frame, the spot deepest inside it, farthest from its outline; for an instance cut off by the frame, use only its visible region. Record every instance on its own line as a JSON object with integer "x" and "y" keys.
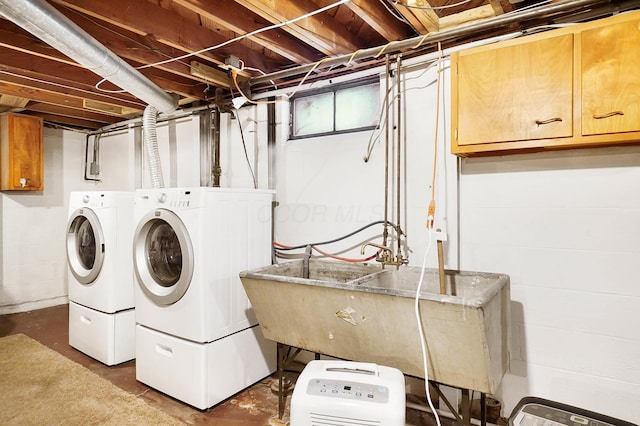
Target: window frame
{"x": 333, "y": 88}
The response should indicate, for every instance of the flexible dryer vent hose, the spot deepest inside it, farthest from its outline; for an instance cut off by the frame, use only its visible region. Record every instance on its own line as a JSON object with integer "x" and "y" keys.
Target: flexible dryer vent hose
{"x": 150, "y": 139}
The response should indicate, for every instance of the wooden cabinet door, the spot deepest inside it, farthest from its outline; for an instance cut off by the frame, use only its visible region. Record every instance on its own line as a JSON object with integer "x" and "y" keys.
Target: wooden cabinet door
{"x": 610, "y": 60}
{"x": 21, "y": 156}
{"x": 519, "y": 92}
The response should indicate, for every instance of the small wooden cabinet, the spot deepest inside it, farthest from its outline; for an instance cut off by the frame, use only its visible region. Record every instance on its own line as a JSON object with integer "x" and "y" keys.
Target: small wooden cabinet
{"x": 516, "y": 92}
{"x": 21, "y": 153}
{"x": 611, "y": 78}
{"x": 572, "y": 87}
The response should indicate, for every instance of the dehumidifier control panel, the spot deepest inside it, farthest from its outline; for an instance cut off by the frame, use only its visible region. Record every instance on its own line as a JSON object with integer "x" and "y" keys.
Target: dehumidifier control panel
{"x": 344, "y": 389}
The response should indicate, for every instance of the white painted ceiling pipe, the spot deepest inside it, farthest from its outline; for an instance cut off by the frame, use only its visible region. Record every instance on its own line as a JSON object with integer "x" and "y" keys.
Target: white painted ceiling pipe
{"x": 48, "y": 24}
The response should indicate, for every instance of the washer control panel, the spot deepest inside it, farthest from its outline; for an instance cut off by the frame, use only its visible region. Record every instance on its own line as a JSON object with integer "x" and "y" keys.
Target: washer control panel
{"x": 345, "y": 389}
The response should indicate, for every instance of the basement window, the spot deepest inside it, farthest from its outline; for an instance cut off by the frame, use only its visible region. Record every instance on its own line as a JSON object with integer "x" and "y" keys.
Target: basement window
{"x": 337, "y": 109}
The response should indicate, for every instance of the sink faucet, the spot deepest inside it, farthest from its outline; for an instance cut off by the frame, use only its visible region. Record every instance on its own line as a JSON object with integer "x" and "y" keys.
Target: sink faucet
{"x": 386, "y": 257}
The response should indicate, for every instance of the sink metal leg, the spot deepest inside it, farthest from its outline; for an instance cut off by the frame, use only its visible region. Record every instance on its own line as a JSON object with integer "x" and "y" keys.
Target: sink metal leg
{"x": 444, "y": 399}
{"x": 281, "y": 355}
{"x": 284, "y": 357}
{"x": 465, "y": 407}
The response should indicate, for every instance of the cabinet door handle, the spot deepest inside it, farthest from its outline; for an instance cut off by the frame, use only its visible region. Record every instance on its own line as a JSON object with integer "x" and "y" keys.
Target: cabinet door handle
{"x": 550, "y": 120}
{"x": 607, "y": 115}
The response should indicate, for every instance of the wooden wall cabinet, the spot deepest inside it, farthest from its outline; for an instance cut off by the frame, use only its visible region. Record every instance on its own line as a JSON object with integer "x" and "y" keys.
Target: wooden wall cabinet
{"x": 21, "y": 153}
{"x": 566, "y": 88}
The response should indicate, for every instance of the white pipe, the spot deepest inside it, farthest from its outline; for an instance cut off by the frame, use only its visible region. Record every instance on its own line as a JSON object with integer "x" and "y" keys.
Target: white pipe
{"x": 47, "y": 23}
{"x": 150, "y": 141}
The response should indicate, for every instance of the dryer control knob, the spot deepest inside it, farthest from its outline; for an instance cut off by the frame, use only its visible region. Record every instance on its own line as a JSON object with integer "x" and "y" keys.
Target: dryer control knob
{"x": 85, "y": 199}
{"x": 162, "y": 198}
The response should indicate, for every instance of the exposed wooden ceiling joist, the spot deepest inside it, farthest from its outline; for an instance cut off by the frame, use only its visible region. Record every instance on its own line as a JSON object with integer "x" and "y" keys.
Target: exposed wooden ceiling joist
{"x": 37, "y": 79}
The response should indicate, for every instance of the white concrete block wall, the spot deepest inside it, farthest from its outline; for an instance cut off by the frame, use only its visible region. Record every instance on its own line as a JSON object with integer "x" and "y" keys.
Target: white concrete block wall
{"x": 565, "y": 226}
{"x": 325, "y": 190}
{"x": 33, "y": 229}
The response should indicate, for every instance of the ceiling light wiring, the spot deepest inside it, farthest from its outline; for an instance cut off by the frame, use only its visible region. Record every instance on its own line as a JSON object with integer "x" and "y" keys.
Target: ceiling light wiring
{"x": 242, "y": 37}
{"x": 234, "y": 77}
{"x": 394, "y": 12}
{"x": 251, "y": 34}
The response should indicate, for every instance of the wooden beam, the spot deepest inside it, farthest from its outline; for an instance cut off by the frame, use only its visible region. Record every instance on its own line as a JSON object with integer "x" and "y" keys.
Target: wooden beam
{"x": 38, "y": 95}
{"x": 320, "y": 31}
{"x": 139, "y": 49}
{"x": 73, "y": 113}
{"x": 234, "y": 17}
{"x": 411, "y": 18}
{"x": 31, "y": 81}
{"x": 12, "y": 103}
{"x": 427, "y": 17}
{"x": 77, "y": 74}
{"x": 69, "y": 121}
{"x": 377, "y": 17}
{"x": 146, "y": 18}
{"x": 471, "y": 15}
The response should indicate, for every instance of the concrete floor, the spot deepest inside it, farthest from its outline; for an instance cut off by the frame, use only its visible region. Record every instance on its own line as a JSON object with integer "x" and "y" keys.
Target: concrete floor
{"x": 257, "y": 405}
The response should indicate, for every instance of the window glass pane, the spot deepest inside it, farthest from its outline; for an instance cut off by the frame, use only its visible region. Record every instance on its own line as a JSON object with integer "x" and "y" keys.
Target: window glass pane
{"x": 313, "y": 114}
{"x": 357, "y": 107}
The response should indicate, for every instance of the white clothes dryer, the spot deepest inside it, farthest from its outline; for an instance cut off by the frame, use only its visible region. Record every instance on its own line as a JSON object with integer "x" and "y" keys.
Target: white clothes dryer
{"x": 101, "y": 300}
{"x": 189, "y": 246}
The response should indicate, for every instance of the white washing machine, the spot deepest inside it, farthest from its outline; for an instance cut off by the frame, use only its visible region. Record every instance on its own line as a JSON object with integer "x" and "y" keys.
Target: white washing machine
{"x": 101, "y": 283}
{"x": 197, "y": 337}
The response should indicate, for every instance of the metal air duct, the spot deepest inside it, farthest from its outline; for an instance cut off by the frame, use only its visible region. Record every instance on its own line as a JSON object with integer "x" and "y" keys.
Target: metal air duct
{"x": 48, "y": 24}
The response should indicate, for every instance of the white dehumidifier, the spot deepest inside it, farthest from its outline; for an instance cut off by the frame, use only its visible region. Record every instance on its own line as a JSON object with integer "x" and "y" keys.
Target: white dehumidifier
{"x": 349, "y": 393}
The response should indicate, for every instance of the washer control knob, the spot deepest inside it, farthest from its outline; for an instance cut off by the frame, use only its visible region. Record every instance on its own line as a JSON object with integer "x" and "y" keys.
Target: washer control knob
{"x": 162, "y": 198}
{"x": 85, "y": 199}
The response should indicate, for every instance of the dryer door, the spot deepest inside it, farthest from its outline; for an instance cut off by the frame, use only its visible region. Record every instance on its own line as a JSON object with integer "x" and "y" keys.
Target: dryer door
{"x": 85, "y": 245}
{"x": 162, "y": 257}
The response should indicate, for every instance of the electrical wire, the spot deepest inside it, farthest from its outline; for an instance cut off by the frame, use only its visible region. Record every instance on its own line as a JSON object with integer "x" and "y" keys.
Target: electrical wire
{"x": 251, "y": 34}
{"x": 423, "y": 340}
{"x": 64, "y": 86}
{"x": 394, "y": 12}
{"x": 377, "y": 132}
{"x": 263, "y": 73}
{"x": 242, "y": 37}
{"x": 246, "y": 154}
{"x": 234, "y": 77}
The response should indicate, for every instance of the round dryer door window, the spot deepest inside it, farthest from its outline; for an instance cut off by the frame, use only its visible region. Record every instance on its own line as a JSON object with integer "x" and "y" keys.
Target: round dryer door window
{"x": 163, "y": 257}
{"x": 85, "y": 245}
